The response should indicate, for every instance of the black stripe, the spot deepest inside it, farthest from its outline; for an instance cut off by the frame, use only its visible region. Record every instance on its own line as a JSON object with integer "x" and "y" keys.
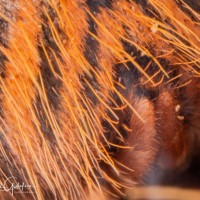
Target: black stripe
{"x": 4, "y": 43}
{"x": 94, "y": 5}
{"x": 3, "y": 32}
{"x": 90, "y": 53}
{"x": 3, "y": 60}
{"x": 91, "y": 44}
{"x": 11, "y": 170}
{"x": 52, "y": 84}
{"x": 147, "y": 8}
{"x": 142, "y": 3}
{"x": 130, "y": 78}
{"x": 194, "y": 4}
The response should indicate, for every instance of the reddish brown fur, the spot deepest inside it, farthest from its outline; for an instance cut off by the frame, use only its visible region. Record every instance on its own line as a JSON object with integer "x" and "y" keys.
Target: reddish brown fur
{"x": 141, "y": 141}
{"x": 64, "y": 148}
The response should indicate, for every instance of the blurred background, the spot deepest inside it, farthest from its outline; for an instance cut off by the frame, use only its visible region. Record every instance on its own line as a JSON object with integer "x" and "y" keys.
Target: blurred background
{"x": 178, "y": 185}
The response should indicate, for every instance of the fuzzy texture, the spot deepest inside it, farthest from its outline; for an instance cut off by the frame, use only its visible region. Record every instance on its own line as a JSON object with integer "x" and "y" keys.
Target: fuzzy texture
{"x": 94, "y": 94}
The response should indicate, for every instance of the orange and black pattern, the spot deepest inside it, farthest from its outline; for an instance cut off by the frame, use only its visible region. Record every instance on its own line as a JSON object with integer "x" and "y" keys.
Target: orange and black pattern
{"x": 96, "y": 96}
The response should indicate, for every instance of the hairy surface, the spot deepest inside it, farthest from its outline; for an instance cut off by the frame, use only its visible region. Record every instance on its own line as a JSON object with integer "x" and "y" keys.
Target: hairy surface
{"x": 96, "y": 94}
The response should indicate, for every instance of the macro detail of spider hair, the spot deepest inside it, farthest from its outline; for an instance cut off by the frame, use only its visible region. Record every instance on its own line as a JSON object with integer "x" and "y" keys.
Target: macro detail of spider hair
{"x": 97, "y": 96}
